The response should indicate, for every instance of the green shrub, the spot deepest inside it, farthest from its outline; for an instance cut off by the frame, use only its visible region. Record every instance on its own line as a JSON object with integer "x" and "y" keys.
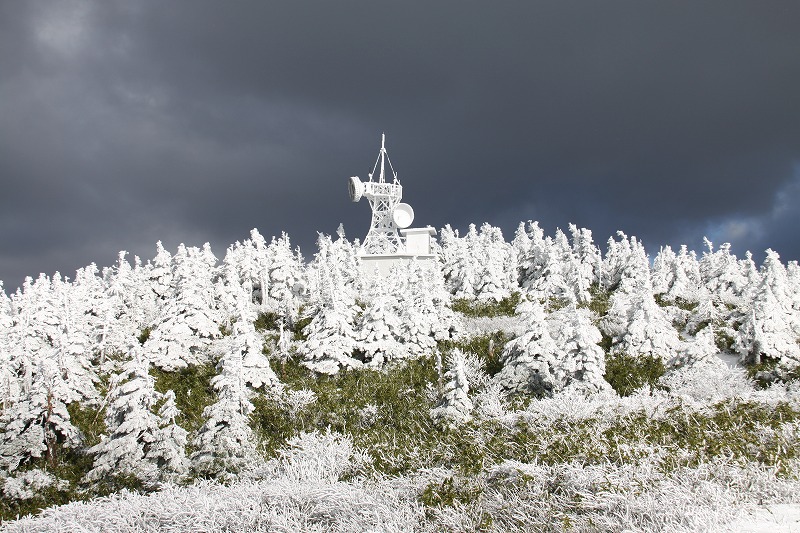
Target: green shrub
{"x": 480, "y": 346}
{"x": 627, "y": 373}
{"x": 473, "y": 308}
{"x": 193, "y": 391}
{"x": 600, "y": 300}
{"x": 267, "y": 321}
{"x": 144, "y": 335}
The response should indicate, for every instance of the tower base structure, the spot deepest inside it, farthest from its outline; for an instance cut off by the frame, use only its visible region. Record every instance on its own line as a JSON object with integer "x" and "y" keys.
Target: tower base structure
{"x": 418, "y": 245}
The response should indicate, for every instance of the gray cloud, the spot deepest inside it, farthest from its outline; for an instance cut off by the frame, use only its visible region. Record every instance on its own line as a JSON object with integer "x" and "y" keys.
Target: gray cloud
{"x": 125, "y": 123}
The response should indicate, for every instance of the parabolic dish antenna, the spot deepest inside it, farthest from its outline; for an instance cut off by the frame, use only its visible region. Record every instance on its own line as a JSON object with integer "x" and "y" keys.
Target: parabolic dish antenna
{"x": 356, "y": 188}
{"x": 403, "y": 216}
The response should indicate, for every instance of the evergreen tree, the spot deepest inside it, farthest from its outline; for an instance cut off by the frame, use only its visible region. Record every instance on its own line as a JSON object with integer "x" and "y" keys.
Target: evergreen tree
{"x": 722, "y": 274}
{"x": 250, "y": 344}
{"x": 528, "y": 358}
{"x": 532, "y": 253}
{"x": 331, "y": 336}
{"x": 285, "y": 272}
{"x": 636, "y": 324}
{"x": 168, "y": 450}
{"x": 34, "y": 425}
{"x": 190, "y": 319}
{"x": 381, "y": 327}
{"x": 128, "y": 308}
{"x": 496, "y": 265}
{"x": 225, "y": 443}
{"x": 77, "y": 333}
{"x": 579, "y": 360}
{"x": 770, "y": 328}
{"x": 454, "y": 406}
{"x": 132, "y": 426}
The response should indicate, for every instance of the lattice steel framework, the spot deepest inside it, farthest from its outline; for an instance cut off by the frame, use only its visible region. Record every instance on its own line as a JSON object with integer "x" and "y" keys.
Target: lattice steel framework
{"x": 383, "y": 197}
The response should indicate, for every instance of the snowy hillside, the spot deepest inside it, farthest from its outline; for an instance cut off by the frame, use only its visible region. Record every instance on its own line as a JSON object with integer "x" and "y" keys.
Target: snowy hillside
{"x": 537, "y": 384}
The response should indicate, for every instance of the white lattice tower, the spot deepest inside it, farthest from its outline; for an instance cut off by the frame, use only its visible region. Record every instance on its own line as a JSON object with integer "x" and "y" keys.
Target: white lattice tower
{"x": 383, "y": 197}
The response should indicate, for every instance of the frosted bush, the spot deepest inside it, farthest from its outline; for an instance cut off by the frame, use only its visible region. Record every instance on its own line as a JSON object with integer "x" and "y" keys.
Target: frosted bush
{"x": 630, "y": 497}
{"x": 475, "y": 370}
{"x": 490, "y": 402}
{"x": 513, "y": 326}
{"x": 299, "y": 399}
{"x": 27, "y": 485}
{"x": 246, "y": 507}
{"x": 707, "y": 382}
{"x": 318, "y": 457}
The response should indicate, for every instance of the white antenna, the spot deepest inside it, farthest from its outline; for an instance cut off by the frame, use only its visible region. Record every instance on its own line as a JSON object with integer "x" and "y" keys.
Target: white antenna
{"x": 387, "y": 212}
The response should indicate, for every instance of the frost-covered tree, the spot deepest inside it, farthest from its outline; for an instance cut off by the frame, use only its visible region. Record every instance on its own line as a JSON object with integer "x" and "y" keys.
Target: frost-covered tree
{"x": 250, "y": 344}
{"x": 722, "y": 274}
{"x": 190, "y": 319}
{"x": 225, "y": 443}
{"x": 73, "y": 349}
{"x": 531, "y": 247}
{"x": 496, "y": 265}
{"x": 625, "y": 261}
{"x": 9, "y": 388}
{"x": 285, "y": 272}
{"x": 333, "y": 259}
{"x": 168, "y": 450}
{"x": 454, "y": 406}
{"x": 419, "y": 315}
{"x": 331, "y": 336}
{"x": 130, "y": 306}
{"x": 462, "y": 267}
{"x": 579, "y": 359}
{"x": 585, "y": 266}
{"x": 638, "y": 326}
{"x": 550, "y": 283}
{"x": 160, "y": 273}
{"x": 133, "y": 427}
{"x": 770, "y": 328}
{"x": 35, "y": 329}
{"x": 528, "y": 358}
{"x": 685, "y": 282}
{"x": 35, "y": 424}
{"x": 248, "y": 262}
{"x": 557, "y": 350}
{"x": 381, "y": 328}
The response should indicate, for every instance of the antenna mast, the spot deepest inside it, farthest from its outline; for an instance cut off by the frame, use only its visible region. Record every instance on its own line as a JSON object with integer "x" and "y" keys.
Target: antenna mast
{"x": 383, "y": 197}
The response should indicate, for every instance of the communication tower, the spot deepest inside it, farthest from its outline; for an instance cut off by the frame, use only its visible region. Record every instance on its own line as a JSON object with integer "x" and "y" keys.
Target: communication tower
{"x": 388, "y": 213}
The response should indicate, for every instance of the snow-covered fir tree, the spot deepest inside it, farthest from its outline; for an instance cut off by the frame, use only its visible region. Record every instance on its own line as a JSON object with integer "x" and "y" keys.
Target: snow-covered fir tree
{"x": 168, "y": 450}
{"x": 225, "y": 443}
{"x": 285, "y": 273}
{"x": 722, "y": 274}
{"x": 454, "y": 406}
{"x": 33, "y": 426}
{"x": 190, "y": 319}
{"x": 495, "y": 277}
{"x": 250, "y": 344}
{"x": 579, "y": 359}
{"x": 770, "y": 329}
{"x": 133, "y": 427}
{"x": 380, "y": 326}
{"x": 331, "y": 335}
{"x": 527, "y": 359}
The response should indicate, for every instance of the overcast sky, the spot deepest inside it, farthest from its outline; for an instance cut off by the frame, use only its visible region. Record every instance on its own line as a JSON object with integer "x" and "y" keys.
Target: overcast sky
{"x": 124, "y": 123}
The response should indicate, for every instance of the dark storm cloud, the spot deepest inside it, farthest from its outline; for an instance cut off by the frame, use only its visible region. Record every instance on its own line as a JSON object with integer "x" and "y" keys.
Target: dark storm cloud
{"x": 122, "y": 123}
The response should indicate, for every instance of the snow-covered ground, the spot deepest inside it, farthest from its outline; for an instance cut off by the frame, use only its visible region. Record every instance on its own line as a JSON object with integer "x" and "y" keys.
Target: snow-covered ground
{"x": 779, "y": 518}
